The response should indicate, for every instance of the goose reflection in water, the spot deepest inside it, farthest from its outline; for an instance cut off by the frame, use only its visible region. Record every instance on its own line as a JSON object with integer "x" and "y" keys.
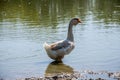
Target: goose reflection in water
{"x": 58, "y": 67}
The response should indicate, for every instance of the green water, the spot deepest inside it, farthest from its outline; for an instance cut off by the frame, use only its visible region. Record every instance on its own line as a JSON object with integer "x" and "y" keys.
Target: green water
{"x": 26, "y": 24}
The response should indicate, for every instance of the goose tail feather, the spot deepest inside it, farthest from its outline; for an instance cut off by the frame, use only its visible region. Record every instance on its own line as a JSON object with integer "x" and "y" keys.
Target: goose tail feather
{"x": 46, "y": 46}
{"x": 49, "y": 51}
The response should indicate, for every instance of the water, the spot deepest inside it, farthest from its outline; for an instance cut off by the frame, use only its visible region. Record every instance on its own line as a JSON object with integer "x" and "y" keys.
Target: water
{"x": 26, "y": 25}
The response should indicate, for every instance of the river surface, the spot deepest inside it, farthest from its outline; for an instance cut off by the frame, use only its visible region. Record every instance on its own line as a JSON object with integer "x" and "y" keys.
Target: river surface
{"x": 25, "y": 25}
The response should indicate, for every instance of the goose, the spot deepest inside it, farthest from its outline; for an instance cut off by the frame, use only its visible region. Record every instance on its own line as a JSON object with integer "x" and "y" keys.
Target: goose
{"x": 59, "y": 49}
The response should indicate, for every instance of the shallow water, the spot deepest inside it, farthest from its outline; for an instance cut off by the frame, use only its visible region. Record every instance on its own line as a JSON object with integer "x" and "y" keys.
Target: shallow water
{"x": 26, "y": 25}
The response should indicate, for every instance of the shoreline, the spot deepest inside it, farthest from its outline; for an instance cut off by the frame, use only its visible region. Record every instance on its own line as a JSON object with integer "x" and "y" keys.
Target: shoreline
{"x": 82, "y": 75}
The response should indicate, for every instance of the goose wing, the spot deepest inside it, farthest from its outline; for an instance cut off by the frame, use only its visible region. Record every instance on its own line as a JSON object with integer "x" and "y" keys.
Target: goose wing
{"x": 59, "y": 45}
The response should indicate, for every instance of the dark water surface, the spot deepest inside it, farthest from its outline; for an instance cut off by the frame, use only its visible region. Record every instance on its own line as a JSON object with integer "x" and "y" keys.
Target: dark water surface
{"x": 25, "y": 25}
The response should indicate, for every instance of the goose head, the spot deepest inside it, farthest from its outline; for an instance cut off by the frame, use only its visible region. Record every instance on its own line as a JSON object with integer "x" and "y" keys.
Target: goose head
{"x": 75, "y": 21}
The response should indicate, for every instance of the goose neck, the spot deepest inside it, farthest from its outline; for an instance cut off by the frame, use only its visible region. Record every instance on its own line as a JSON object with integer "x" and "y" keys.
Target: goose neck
{"x": 70, "y": 33}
